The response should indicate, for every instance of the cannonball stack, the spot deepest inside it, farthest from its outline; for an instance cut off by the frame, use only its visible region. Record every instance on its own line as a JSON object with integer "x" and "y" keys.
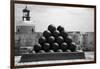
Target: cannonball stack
{"x": 55, "y": 40}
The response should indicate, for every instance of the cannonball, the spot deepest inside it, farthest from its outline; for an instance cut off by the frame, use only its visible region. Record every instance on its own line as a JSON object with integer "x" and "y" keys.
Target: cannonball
{"x": 41, "y": 51}
{"x": 51, "y": 51}
{"x": 51, "y": 39}
{"x": 55, "y": 46}
{"x": 46, "y": 46}
{"x": 72, "y": 47}
{"x": 64, "y": 46}
{"x": 47, "y": 33}
{"x": 56, "y": 33}
{"x": 51, "y": 28}
{"x": 68, "y": 50}
{"x": 42, "y": 40}
{"x": 59, "y": 50}
{"x": 60, "y": 28}
{"x": 68, "y": 40}
{"x": 33, "y": 52}
{"x": 37, "y": 47}
{"x": 60, "y": 39}
{"x": 64, "y": 34}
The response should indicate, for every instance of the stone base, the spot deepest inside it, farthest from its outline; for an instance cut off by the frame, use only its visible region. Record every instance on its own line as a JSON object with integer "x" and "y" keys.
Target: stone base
{"x": 52, "y": 56}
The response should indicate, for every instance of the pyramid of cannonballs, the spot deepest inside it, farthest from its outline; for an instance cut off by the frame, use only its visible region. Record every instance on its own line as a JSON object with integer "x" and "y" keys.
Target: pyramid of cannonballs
{"x": 54, "y": 40}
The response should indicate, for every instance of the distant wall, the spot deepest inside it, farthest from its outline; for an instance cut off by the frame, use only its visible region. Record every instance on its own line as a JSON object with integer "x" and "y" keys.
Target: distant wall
{"x": 26, "y": 36}
{"x": 84, "y": 39}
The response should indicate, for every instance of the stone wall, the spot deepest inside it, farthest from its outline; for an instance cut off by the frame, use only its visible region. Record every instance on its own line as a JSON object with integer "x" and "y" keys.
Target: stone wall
{"x": 84, "y": 39}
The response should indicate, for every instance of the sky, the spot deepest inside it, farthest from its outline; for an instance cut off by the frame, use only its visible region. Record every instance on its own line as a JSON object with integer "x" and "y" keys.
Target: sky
{"x": 71, "y": 18}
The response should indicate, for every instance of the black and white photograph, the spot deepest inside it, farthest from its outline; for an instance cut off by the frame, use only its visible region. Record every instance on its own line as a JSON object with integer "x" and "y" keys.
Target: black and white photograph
{"x": 53, "y": 34}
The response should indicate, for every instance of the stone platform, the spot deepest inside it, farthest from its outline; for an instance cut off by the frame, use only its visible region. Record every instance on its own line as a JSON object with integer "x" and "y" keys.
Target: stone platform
{"x": 52, "y": 56}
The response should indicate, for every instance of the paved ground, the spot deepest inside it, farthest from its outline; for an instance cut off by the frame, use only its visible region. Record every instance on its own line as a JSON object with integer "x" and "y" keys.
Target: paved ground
{"x": 89, "y": 57}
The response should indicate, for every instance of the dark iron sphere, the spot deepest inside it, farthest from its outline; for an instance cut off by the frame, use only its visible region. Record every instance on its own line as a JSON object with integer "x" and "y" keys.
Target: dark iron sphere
{"x": 68, "y": 40}
{"x": 60, "y": 28}
{"x": 68, "y": 50}
{"x": 51, "y": 39}
{"x": 42, "y": 40}
{"x": 59, "y": 50}
{"x": 37, "y": 47}
{"x": 41, "y": 51}
{"x": 55, "y": 46}
{"x": 56, "y": 33}
{"x": 47, "y": 33}
{"x": 72, "y": 47}
{"x": 64, "y": 46}
{"x": 60, "y": 40}
{"x": 64, "y": 34}
{"x": 46, "y": 46}
{"x": 51, "y": 51}
{"x": 33, "y": 52}
{"x": 51, "y": 28}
